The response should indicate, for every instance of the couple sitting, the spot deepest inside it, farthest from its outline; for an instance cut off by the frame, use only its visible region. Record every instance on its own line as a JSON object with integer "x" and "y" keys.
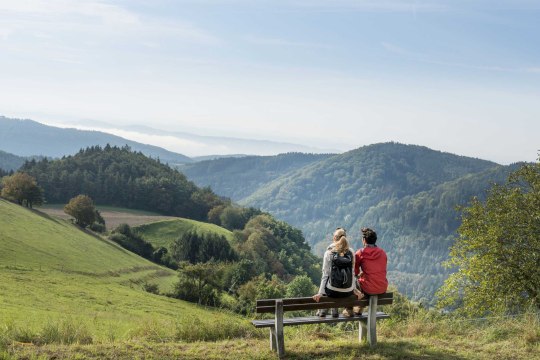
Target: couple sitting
{"x": 368, "y": 264}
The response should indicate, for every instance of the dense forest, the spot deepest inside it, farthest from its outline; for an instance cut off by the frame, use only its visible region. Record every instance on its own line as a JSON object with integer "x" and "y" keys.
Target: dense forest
{"x": 253, "y": 172}
{"x": 407, "y": 193}
{"x": 120, "y": 177}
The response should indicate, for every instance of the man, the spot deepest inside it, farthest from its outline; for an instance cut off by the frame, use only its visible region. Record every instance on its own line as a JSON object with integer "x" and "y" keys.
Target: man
{"x": 370, "y": 267}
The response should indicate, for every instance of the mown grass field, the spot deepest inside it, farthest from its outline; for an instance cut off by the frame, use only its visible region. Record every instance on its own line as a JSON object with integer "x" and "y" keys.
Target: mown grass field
{"x": 59, "y": 284}
{"x": 163, "y": 233}
{"x": 113, "y": 216}
{"x": 67, "y": 294}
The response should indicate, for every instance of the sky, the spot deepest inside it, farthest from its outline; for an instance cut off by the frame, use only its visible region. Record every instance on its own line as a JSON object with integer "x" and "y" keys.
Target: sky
{"x": 457, "y": 76}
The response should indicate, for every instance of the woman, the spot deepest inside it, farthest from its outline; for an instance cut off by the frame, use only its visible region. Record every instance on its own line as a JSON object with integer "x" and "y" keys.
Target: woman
{"x": 337, "y": 273}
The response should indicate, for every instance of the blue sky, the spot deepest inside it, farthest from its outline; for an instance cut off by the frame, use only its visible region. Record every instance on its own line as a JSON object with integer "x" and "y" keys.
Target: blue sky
{"x": 457, "y": 76}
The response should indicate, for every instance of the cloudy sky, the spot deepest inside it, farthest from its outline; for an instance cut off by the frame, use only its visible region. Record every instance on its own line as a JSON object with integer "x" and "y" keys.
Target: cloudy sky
{"x": 458, "y": 76}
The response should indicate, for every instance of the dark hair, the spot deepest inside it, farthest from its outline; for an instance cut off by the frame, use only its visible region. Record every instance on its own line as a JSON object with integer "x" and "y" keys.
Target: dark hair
{"x": 369, "y": 235}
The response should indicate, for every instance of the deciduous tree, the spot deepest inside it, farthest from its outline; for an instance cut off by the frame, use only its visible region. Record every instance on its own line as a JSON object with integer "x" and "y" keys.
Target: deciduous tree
{"x": 497, "y": 254}
{"x": 23, "y": 189}
{"x": 82, "y": 208}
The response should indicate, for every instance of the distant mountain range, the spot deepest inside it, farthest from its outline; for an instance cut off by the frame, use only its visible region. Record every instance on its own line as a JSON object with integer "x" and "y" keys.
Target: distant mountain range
{"x": 27, "y": 138}
{"x": 407, "y": 193}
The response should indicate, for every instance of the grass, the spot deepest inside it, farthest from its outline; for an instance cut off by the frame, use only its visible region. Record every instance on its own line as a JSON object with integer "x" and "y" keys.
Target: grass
{"x": 67, "y": 294}
{"x": 445, "y": 339}
{"x": 163, "y": 233}
{"x": 61, "y": 285}
{"x": 113, "y": 216}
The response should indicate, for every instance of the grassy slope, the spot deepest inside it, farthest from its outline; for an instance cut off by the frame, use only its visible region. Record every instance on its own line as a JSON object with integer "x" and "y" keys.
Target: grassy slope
{"x": 52, "y": 275}
{"x": 163, "y": 233}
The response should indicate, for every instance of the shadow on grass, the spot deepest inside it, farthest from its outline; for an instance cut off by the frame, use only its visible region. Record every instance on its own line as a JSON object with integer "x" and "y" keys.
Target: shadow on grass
{"x": 395, "y": 350}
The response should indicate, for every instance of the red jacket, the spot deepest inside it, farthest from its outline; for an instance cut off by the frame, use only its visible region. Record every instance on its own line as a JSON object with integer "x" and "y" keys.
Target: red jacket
{"x": 372, "y": 260}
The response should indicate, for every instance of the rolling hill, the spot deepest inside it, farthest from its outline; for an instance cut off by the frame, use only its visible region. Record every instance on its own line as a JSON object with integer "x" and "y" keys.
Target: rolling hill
{"x": 238, "y": 178}
{"x": 60, "y": 284}
{"x": 407, "y": 193}
{"x": 27, "y": 138}
{"x": 163, "y": 233}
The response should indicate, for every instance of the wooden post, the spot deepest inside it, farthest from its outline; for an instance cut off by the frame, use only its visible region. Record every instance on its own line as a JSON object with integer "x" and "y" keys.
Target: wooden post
{"x": 372, "y": 320}
{"x": 279, "y": 328}
{"x": 362, "y": 330}
{"x": 273, "y": 339}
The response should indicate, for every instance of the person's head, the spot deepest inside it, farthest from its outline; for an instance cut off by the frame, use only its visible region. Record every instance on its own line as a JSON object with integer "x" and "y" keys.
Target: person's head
{"x": 340, "y": 241}
{"x": 369, "y": 236}
{"x": 338, "y": 233}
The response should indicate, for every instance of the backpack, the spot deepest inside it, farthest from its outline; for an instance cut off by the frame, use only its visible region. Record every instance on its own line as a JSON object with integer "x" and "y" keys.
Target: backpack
{"x": 341, "y": 275}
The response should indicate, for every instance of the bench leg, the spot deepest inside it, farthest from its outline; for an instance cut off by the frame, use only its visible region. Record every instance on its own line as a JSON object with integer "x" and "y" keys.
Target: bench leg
{"x": 372, "y": 320}
{"x": 362, "y": 331}
{"x": 273, "y": 346}
{"x": 279, "y": 329}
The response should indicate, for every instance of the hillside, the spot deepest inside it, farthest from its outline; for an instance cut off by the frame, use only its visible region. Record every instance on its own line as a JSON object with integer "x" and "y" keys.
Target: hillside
{"x": 239, "y": 177}
{"x": 10, "y": 162}
{"x": 27, "y": 137}
{"x": 363, "y": 187}
{"x": 123, "y": 178}
{"x": 55, "y": 276}
{"x": 163, "y": 233}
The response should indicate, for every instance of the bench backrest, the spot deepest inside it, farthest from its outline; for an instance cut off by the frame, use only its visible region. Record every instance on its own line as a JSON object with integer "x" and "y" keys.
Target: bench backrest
{"x": 307, "y": 303}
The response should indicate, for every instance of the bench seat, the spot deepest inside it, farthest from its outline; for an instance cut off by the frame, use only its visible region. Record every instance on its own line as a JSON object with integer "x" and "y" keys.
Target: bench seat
{"x": 315, "y": 320}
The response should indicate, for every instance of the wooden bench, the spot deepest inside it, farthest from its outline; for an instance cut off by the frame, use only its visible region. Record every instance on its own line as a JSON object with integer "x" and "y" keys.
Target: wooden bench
{"x": 367, "y": 328}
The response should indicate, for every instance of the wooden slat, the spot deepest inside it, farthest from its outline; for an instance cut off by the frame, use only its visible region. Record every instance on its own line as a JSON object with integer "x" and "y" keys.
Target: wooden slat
{"x": 321, "y": 305}
{"x": 309, "y": 300}
{"x": 315, "y": 320}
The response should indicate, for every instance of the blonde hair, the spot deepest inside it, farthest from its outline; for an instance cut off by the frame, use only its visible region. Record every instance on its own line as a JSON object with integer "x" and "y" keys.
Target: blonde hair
{"x": 340, "y": 241}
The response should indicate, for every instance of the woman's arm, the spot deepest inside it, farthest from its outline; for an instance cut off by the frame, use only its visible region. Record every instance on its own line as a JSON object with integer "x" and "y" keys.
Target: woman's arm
{"x": 325, "y": 271}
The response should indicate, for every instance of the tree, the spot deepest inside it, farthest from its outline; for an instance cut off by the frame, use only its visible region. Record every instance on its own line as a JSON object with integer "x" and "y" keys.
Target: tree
{"x": 199, "y": 283}
{"x": 81, "y": 207}
{"x": 498, "y": 250}
{"x": 300, "y": 286}
{"x": 23, "y": 189}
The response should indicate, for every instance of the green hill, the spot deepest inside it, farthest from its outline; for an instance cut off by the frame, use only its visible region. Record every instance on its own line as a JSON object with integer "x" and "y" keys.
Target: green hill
{"x": 239, "y": 177}
{"x": 163, "y": 233}
{"x": 123, "y": 178}
{"x": 60, "y": 284}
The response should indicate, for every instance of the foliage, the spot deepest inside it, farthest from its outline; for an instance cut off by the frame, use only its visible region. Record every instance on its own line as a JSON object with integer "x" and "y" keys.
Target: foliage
{"x": 277, "y": 248}
{"x": 498, "y": 250}
{"x": 23, "y": 189}
{"x": 120, "y": 177}
{"x": 82, "y": 208}
{"x": 300, "y": 286}
{"x": 262, "y": 288}
{"x": 199, "y": 282}
{"x": 194, "y": 248}
{"x": 131, "y": 241}
{"x": 237, "y": 178}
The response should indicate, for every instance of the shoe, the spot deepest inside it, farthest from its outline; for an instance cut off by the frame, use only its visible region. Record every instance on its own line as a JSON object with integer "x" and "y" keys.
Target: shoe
{"x": 335, "y": 312}
{"x": 357, "y": 310}
{"x": 321, "y": 313}
{"x": 348, "y": 312}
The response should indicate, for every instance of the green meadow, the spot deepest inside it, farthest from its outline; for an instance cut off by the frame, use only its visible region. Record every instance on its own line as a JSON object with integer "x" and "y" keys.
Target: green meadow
{"x": 61, "y": 285}
{"x": 163, "y": 233}
{"x": 69, "y": 294}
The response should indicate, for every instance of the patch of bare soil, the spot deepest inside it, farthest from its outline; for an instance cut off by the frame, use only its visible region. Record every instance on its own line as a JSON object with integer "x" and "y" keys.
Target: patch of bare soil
{"x": 112, "y": 218}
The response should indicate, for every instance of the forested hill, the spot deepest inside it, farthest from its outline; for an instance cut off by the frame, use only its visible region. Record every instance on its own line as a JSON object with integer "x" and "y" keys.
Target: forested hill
{"x": 27, "y": 138}
{"x": 120, "y": 177}
{"x": 407, "y": 193}
{"x": 239, "y": 177}
{"x": 9, "y": 161}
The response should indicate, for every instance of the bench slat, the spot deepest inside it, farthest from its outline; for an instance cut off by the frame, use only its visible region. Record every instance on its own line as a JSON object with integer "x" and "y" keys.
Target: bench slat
{"x": 309, "y": 300}
{"x": 315, "y": 320}
{"x": 320, "y": 305}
